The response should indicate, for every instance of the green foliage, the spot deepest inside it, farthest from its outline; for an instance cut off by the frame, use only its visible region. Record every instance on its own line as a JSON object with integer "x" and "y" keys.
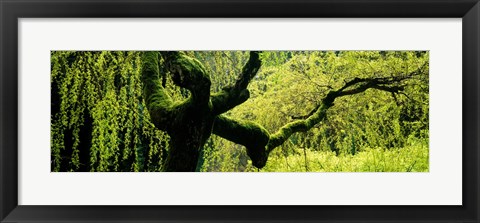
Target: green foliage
{"x": 412, "y": 158}
{"x": 99, "y": 121}
{"x": 215, "y": 159}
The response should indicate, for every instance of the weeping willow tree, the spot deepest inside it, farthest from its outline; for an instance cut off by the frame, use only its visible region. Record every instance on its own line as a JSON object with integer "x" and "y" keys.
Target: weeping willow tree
{"x": 99, "y": 120}
{"x": 157, "y": 111}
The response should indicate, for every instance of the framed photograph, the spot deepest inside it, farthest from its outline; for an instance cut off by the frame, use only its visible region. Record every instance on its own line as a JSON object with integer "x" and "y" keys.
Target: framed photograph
{"x": 228, "y": 111}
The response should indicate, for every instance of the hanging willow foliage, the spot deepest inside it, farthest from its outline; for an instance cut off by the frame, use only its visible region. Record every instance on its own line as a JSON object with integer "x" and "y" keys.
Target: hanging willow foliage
{"x": 98, "y": 116}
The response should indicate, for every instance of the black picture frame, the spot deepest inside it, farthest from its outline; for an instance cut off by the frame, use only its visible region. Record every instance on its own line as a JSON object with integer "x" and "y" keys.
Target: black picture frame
{"x": 11, "y": 11}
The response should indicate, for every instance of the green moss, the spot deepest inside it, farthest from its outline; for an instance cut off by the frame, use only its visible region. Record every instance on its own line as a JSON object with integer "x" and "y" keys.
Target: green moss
{"x": 192, "y": 65}
{"x": 227, "y": 99}
{"x": 279, "y": 137}
{"x": 249, "y": 134}
{"x": 157, "y": 100}
{"x": 189, "y": 73}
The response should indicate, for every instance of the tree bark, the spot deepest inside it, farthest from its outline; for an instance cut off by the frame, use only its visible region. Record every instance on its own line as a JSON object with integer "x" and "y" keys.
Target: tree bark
{"x": 188, "y": 123}
{"x": 249, "y": 134}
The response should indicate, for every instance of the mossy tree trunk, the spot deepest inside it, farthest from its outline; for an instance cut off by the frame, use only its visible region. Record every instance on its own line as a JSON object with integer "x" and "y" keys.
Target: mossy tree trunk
{"x": 191, "y": 122}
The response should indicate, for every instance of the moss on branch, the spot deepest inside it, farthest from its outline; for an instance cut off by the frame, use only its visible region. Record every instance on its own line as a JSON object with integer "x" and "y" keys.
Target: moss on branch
{"x": 188, "y": 73}
{"x": 355, "y": 86}
{"x": 159, "y": 103}
{"x": 189, "y": 122}
{"x": 249, "y": 134}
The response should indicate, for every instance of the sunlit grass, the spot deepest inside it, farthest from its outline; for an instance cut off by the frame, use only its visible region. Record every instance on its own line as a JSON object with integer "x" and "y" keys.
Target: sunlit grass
{"x": 413, "y": 158}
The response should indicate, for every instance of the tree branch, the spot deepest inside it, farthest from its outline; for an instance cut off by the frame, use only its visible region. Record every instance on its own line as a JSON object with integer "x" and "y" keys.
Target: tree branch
{"x": 234, "y": 95}
{"x": 249, "y": 134}
{"x": 259, "y": 142}
{"x": 279, "y": 137}
{"x": 307, "y": 115}
{"x": 159, "y": 103}
{"x": 355, "y": 86}
{"x": 189, "y": 73}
